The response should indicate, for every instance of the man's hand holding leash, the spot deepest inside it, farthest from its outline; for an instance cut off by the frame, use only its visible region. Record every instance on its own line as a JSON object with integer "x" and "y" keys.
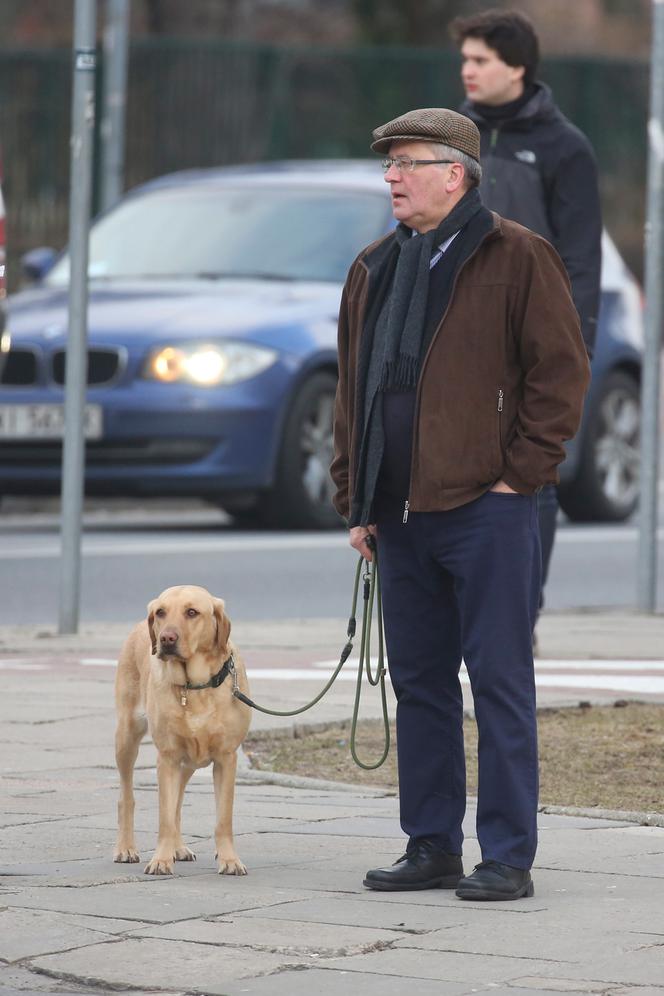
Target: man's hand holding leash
{"x": 358, "y": 540}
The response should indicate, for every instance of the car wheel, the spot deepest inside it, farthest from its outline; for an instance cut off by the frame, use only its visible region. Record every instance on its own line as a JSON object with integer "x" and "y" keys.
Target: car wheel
{"x": 302, "y": 496}
{"x": 607, "y": 486}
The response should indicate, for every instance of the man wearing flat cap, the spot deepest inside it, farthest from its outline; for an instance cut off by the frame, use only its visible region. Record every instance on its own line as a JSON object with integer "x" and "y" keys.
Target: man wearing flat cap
{"x": 462, "y": 372}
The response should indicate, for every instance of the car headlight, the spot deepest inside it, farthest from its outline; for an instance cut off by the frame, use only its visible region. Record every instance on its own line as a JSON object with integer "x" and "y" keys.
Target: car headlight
{"x": 209, "y": 365}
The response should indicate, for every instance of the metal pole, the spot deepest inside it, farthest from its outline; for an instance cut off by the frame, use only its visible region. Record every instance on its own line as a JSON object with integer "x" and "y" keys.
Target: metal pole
{"x": 73, "y": 456}
{"x": 650, "y": 399}
{"x": 116, "y": 44}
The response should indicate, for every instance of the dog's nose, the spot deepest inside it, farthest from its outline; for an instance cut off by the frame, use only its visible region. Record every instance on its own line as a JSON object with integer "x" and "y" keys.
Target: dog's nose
{"x": 168, "y": 637}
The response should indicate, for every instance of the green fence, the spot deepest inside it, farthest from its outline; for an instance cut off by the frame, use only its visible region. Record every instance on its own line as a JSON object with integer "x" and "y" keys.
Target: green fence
{"x": 193, "y": 103}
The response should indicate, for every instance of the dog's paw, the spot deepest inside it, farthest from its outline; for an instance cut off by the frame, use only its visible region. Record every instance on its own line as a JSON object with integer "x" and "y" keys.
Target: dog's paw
{"x": 184, "y": 854}
{"x": 231, "y": 866}
{"x": 158, "y": 867}
{"x": 126, "y": 855}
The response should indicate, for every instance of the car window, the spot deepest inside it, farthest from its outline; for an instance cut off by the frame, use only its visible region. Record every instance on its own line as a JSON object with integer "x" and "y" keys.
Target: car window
{"x": 275, "y": 232}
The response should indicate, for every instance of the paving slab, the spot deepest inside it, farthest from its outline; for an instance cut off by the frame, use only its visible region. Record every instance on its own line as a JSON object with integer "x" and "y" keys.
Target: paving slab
{"x": 633, "y": 850}
{"x": 597, "y": 634}
{"x": 320, "y": 875}
{"x": 438, "y": 898}
{"x": 18, "y": 819}
{"x": 18, "y": 981}
{"x": 408, "y": 917}
{"x": 328, "y": 982}
{"x": 534, "y": 935}
{"x": 303, "y": 804}
{"x": 445, "y": 966}
{"x": 150, "y": 899}
{"x": 262, "y": 933}
{"x": 356, "y": 826}
{"x": 554, "y": 987}
{"x": 638, "y": 991}
{"x": 566, "y": 823}
{"x": 53, "y": 841}
{"x": 146, "y": 963}
{"x": 26, "y": 933}
{"x": 641, "y": 968}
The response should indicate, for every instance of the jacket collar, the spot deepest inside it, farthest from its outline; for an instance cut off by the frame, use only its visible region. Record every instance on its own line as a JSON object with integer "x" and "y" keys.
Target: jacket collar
{"x": 540, "y": 107}
{"x": 377, "y": 253}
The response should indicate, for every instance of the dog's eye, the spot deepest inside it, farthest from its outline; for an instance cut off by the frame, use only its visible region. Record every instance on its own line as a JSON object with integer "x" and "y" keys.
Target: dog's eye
{"x": 191, "y": 613}
{"x": 161, "y": 613}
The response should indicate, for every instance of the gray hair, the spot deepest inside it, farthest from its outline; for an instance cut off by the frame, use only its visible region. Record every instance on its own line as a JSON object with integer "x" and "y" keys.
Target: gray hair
{"x": 472, "y": 168}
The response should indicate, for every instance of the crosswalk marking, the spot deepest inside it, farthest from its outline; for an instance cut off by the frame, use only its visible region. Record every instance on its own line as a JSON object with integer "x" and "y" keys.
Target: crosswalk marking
{"x": 636, "y": 677}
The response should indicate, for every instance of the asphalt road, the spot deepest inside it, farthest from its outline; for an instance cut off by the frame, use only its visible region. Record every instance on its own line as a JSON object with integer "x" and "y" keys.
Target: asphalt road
{"x": 131, "y": 552}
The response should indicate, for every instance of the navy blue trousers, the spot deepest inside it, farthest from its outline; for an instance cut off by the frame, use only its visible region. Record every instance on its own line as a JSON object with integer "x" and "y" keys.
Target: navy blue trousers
{"x": 464, "y": 583}
{"x": 547, "y": 511}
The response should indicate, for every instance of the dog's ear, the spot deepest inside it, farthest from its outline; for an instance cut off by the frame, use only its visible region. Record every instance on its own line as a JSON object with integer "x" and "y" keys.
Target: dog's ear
{"x": 223, "y": 625}
{"x": 153, "y": 638}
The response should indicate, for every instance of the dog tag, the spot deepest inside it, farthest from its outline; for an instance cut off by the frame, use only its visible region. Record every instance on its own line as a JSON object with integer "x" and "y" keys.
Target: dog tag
{"x": 183, "y": 696}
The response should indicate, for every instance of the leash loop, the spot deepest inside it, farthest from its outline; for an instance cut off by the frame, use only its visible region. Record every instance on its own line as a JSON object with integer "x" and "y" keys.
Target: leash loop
{"x": 370, "y": 593}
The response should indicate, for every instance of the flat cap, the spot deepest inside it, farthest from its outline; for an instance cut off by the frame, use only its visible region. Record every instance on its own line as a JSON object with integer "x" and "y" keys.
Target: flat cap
{"x": 430, "y": 124}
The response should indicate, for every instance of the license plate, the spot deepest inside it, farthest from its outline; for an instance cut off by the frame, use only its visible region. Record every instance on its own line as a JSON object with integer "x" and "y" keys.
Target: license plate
{"x": 45, "y": 421}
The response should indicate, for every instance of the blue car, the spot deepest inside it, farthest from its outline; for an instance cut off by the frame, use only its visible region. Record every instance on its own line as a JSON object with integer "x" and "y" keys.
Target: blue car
{"x": 4, "y": 341}
{"x": 599, "y": 480}
{"x": 212, "y": 348}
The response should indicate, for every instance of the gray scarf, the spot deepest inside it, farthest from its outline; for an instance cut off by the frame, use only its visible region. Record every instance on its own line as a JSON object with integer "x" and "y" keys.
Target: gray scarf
{"x": 399, "y": 329}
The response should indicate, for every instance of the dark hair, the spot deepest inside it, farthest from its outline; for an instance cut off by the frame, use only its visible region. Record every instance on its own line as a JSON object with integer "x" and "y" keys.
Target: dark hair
{"x": 508, "y": 32}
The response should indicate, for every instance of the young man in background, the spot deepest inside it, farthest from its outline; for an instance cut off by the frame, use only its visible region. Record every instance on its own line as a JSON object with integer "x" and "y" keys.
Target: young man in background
{"x": 538, "y": 168}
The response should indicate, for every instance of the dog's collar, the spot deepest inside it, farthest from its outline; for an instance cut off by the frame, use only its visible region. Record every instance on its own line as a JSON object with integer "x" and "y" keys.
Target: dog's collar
{"x": 217, "y": 679}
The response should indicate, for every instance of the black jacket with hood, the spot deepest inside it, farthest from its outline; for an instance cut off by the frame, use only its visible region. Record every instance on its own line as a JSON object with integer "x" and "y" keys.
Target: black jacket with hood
{"x": 538, "y": 169}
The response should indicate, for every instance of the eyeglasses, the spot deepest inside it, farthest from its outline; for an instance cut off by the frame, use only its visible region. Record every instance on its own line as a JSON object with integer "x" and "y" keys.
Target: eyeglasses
{"x": 407, "y": 165}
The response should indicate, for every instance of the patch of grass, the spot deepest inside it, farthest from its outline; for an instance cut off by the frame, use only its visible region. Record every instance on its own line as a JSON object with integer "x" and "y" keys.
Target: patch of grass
{"x": 606, "y": 756}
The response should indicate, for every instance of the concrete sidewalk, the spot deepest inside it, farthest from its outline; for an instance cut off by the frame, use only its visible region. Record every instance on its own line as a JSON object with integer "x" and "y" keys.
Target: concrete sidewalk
{"x": 300, "y": 922}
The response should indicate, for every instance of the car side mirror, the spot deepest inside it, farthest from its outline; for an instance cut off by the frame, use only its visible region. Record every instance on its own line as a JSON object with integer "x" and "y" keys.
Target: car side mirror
{"x": 36, "y": 263}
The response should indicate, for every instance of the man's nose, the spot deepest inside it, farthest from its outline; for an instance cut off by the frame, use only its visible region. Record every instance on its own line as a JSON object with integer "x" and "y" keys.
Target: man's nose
{"x": 168, "y": 637}
{"x": 392, "y": 174}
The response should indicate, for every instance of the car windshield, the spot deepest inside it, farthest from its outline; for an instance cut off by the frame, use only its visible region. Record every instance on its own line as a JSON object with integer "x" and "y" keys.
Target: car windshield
{"x": 270, "y": 232}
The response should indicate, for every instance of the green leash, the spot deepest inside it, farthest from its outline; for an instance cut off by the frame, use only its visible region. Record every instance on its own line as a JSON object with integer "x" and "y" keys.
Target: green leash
{"x": 371, "y": 593}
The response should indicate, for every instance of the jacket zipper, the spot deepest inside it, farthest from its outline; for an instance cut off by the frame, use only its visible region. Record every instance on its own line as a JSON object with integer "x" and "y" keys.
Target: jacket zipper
{"x": 416, "y": 415}
{"x": 501, "y": 398}
{"x": 489, "y": 166}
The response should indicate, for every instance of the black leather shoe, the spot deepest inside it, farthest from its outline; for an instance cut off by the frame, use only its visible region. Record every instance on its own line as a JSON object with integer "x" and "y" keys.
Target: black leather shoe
{"x": 494, "y": 881}
{"x": 423, "y": 866}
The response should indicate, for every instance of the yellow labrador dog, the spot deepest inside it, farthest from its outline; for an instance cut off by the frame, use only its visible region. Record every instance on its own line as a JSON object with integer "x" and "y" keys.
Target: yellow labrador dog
{"x": 176, "y": 676}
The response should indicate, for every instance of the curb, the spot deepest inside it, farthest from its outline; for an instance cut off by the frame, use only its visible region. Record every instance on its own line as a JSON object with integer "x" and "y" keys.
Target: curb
{"x": 617, "y": 815}
{"x": 248, "y": 775}
{"x": 255, "y": 776}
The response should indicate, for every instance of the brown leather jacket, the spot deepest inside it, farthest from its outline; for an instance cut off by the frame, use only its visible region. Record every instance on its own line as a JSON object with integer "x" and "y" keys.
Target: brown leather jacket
{"x": 501, "y": 386}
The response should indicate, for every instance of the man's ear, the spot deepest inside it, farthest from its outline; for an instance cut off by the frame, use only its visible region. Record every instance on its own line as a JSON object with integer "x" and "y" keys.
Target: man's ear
{"x": 457, "y": 178}
{"x": 223, "y": 625}
{"x": 518, "y": 73}
{"x": 153, "y": 638}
